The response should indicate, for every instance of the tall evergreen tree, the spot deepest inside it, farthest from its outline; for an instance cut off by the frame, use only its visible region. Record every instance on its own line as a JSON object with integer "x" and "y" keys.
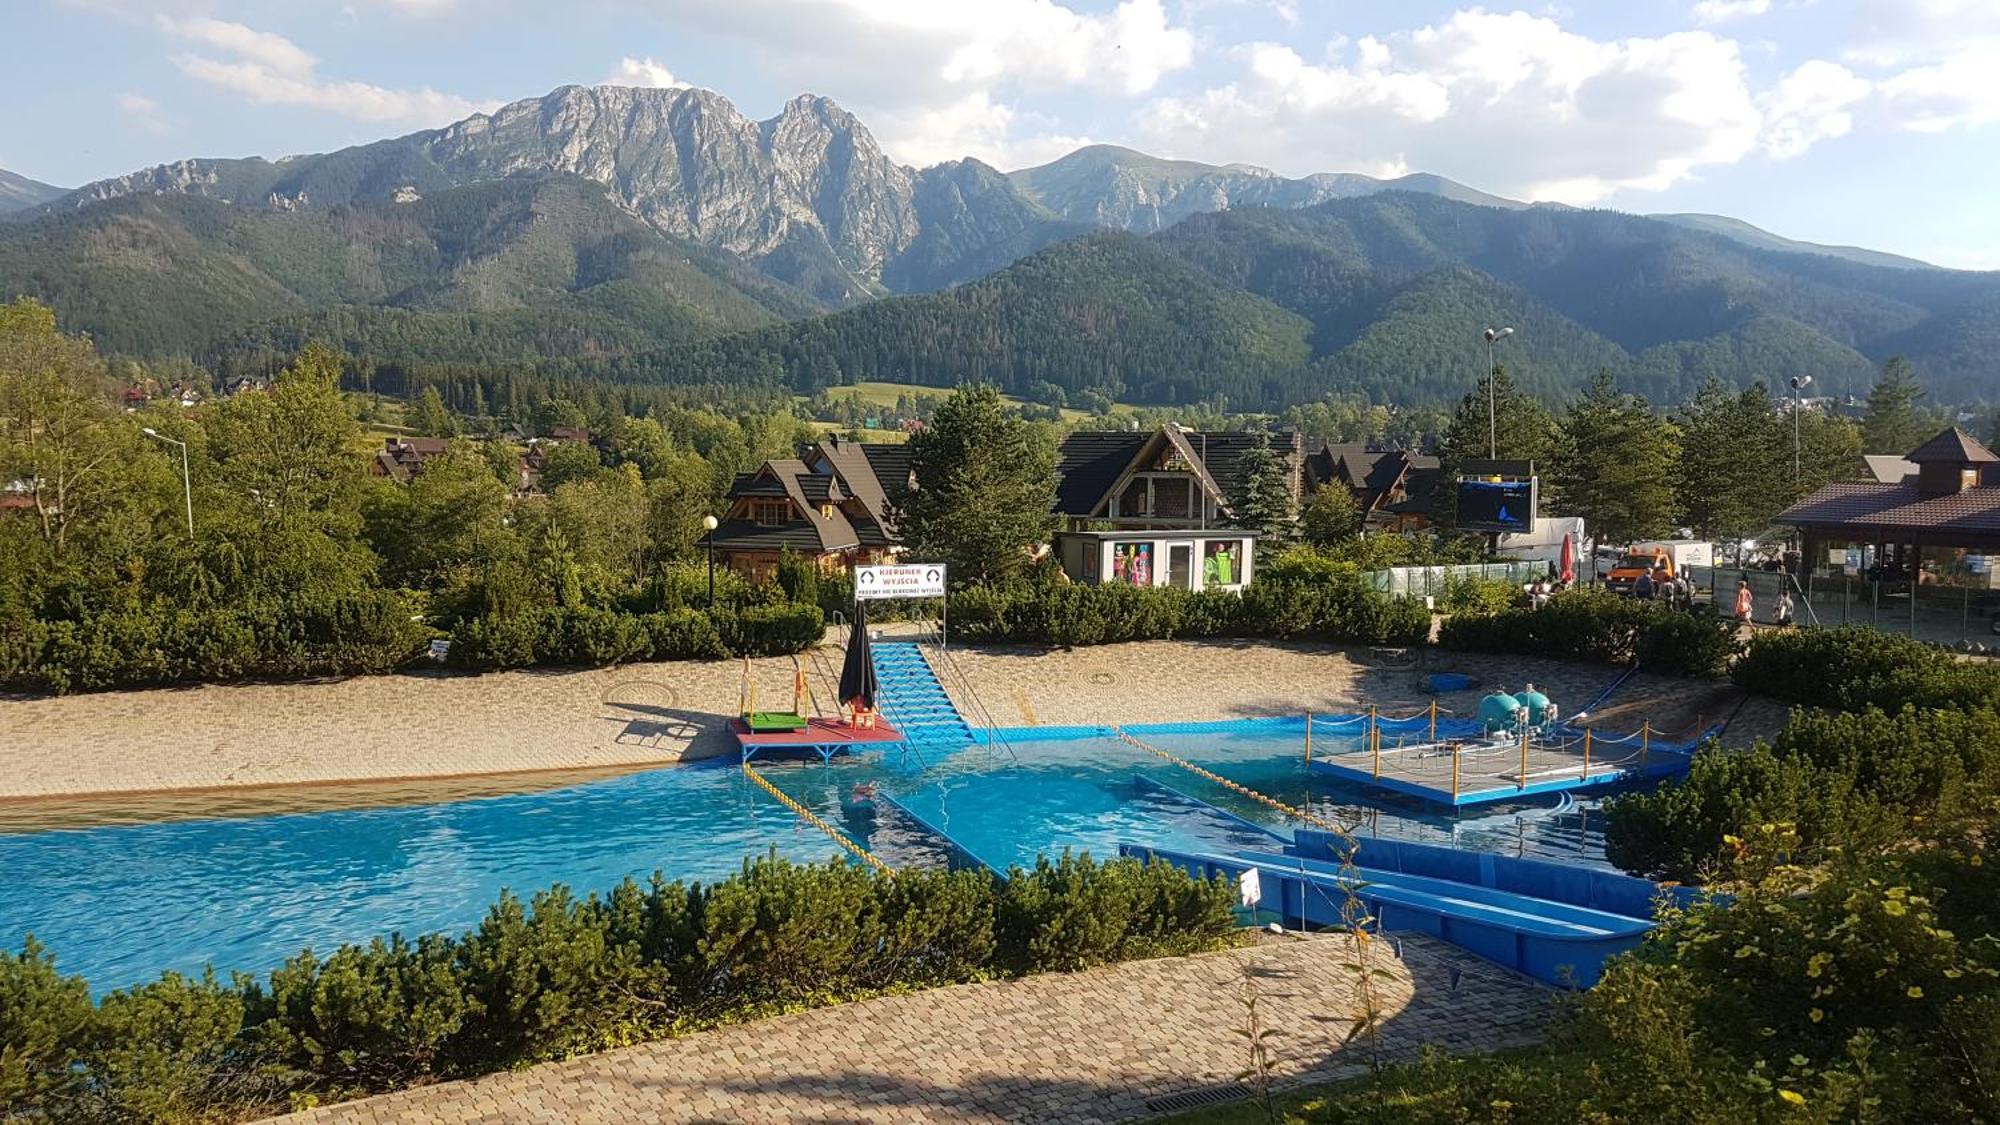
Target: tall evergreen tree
{"x": 985, "y": 487}
{"x": 1894, "y": 423}
{"x": 431, "y": 418}
{"x": 1615, "y": 465}
{"x": 1734, "y": 473}
{"x": 1263, "y": 497}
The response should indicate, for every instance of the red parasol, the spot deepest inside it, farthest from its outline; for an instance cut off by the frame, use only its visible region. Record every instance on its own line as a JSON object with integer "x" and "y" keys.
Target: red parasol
{"x": 1568, "y": 566}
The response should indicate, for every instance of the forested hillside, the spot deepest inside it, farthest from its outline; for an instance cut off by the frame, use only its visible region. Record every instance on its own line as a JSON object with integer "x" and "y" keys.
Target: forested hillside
{"x": 501, "y": 271}
{"x": 1386, "y": 295}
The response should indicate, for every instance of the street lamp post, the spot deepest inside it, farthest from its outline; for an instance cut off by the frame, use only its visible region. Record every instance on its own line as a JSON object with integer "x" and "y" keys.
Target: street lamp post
{"x": 711, "y": 523}
{"x": 187, "y": 485}
{"x": 1799, "y": 383}
{"x": 1493, "y": 336}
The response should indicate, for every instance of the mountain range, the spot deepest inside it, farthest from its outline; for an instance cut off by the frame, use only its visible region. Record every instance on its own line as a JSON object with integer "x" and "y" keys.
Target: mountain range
{"x": 661, "y": 234}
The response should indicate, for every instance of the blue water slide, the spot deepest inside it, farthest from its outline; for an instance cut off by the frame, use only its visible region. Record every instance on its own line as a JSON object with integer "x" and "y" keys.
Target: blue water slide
{"x": 1554, "y": 940}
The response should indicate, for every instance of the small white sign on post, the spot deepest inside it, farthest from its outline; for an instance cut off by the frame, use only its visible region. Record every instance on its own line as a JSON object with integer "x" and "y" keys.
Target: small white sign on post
{"x": 1249, "y": 888}
{"x": 910, "y": 580}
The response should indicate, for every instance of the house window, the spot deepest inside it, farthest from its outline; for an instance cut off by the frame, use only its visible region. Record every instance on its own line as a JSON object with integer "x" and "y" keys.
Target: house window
{"x": 1132, "y": 502}
{"x": 770, "y": 513}
{"x": 1222, "y": 562}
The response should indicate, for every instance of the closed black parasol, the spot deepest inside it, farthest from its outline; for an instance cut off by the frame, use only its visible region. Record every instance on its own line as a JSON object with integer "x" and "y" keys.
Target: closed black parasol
{"x": 857, "y": 676}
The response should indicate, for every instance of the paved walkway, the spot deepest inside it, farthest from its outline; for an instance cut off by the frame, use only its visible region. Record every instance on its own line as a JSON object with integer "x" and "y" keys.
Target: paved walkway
{"x": 1075, "y": 1048}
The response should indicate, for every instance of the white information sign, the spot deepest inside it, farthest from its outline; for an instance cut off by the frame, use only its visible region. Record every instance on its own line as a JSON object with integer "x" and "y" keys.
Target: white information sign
{"x": 913, "y": 580}
{"x": 1249, "y": 888}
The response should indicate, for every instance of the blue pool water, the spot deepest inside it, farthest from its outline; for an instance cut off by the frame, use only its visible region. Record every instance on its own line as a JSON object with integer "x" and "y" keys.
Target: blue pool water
{"x": 121, "y": 904}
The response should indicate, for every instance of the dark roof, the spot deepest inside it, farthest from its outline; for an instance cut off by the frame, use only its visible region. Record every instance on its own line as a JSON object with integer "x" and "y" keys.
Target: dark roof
{"x": 1090, "y": 462}
{"x": 747, "y": 535}
{"x": 757, "y": 484}
{"x": 891, "y": 464}
{"x": 1866, "y": 505}
{"x": 1952, "y": 446}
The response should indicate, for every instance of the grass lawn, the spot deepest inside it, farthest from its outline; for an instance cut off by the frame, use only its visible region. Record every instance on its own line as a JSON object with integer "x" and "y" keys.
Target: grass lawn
{"x": 886, "y": 394}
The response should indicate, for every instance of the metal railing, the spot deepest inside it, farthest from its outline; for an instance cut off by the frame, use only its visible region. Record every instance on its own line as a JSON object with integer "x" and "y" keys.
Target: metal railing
{"x": 953, "y": 678}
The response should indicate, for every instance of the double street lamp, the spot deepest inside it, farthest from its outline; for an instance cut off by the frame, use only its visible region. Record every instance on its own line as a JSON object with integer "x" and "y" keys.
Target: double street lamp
{"x": 187, "y": 487}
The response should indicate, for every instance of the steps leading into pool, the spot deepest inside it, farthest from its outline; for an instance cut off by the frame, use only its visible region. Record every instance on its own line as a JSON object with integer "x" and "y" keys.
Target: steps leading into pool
{"x": 909, "y": 695}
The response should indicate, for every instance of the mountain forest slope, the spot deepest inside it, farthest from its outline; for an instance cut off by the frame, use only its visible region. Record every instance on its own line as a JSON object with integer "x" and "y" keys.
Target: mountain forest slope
{"x": 661, "y": 235}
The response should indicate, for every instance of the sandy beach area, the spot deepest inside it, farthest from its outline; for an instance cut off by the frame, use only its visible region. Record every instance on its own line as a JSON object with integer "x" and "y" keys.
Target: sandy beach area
{"x": 512, "y": 726}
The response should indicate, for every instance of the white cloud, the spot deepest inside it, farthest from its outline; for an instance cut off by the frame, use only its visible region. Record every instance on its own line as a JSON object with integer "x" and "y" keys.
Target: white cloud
{"x": 1960, "y": 89}
{"x": 1512, "y": 102}
{"x": 973, "y": 126}
{"x": 1809, "y": 105}
{"x": 1723, "y": 11}
{"x": 643, "y": 72}
{"x": 272, "y": 70}
{"x": 143, "y": 112}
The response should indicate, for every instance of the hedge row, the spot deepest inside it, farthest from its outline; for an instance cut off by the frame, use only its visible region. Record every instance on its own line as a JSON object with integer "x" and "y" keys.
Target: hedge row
{"x": 560, "y": 976}
{"x": 1592, "y": 624}
{"x": 1852, "y": 667}
{"x": 370, "y": 632}
{"x": 590, "y": 636}
{"x": 1855, "y": 782}
{"x": 1297, "y": 595}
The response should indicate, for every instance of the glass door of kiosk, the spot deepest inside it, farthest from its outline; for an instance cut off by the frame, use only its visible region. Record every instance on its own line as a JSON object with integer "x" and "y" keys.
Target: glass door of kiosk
{"x": 1180, "y": 565}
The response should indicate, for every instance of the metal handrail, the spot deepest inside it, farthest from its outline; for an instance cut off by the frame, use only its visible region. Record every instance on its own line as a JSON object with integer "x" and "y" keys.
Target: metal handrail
{"x": 941, "y": 660}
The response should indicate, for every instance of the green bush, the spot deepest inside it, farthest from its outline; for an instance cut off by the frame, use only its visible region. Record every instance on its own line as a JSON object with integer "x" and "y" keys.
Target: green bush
{"x": 1591, "y": 624}
{"x": 1869, "y": 991}
{"x": 562, "y": 975}
{"x": 1297, "y": 594}
{"x": 1844, "y": 782}
{"x": 359, "y": 633}
{"x": 590, "y": 636}
{"x": 1852, "y": 667}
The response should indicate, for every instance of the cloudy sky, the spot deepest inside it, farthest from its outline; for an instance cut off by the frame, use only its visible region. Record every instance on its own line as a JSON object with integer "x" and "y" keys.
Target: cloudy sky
{"x": 1872, "y": 122}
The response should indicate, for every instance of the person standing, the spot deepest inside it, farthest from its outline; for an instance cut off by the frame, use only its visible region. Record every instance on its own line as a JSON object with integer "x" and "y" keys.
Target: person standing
{"x": 1783, "y": 614}
{"x": 1643, "y": 587}
{"x": 1744, "y": 601}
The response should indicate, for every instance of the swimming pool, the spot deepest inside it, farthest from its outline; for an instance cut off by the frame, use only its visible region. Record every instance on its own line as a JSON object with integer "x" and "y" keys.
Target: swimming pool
{"x": 120, "y": 904}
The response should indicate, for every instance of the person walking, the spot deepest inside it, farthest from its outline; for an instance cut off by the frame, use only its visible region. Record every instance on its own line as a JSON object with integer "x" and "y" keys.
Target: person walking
{"x": 1784, "y": 610}
{"x": 1745, "y": 603}
{"x": 1643, "y": 587}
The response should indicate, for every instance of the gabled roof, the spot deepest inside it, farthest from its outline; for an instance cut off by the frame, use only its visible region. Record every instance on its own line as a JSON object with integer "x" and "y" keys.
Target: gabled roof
{"x": 808, "y": 492}
{"x": 1090, "y": 462}
{"x": 891, "y": 464}
{"x": 1952, "y": 446}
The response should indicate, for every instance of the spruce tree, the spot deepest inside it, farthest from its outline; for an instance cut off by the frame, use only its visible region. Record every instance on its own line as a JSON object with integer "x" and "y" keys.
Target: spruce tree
{"x": 1735, "y": 466}
{"x": 1615, "y": 465}
{"x": 1262, "y": 500}
{"x": 1894, "y": 424}
{"x": 430, "y": 418}
{"x": 985, "y": 488}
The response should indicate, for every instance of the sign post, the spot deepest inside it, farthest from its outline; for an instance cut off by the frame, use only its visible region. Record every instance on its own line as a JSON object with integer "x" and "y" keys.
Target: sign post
{"x": 905, "y": 580}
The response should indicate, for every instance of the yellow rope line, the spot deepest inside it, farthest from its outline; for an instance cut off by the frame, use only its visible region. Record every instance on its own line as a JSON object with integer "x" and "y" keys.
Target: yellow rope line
{"x": 813, "y": 819}
{"x": 1344, "y": 832}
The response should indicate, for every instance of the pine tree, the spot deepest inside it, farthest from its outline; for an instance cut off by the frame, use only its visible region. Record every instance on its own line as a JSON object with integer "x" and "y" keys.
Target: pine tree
{"x": 1262, "y": 500}
{"x": 1734, "y": 473}
{"x": 430, "y": 418}
{"x": 1893, "y": 423}
{"x": 1615, "y": 465}
{"x": 985, "y": 487}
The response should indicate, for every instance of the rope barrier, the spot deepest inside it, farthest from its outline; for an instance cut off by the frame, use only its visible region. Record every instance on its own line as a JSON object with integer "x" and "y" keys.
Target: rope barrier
{"x": 813, "y": 819}
{"x": 1301, "y": 815}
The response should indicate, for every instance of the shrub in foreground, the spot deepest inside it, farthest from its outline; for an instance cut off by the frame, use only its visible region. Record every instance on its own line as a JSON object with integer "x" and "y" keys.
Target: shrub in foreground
{"x": 561, "y": 975}
{"x": 1846, "y": 782}
{"x": 1852, "y": 667}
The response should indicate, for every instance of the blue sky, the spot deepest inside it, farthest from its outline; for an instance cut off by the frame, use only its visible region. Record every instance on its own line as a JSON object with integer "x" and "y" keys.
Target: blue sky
{"x": 1872, "y": 122}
